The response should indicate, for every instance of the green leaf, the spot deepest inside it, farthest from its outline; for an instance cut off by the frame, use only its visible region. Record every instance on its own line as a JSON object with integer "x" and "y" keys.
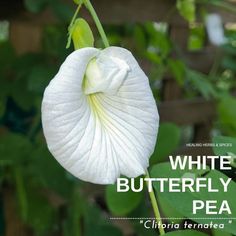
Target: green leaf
{"x": 41, "y": 215}
{"x": 186, "y": 233}
{"x": 49, "y": 172}
{"x": 39, "y": 77}
{"x": 201, "y": 83}
{"x": 227, "y": 114}
{"x": 24, "y": 98}
{"x": 221, "y": 150}
{"x": 53, "y": 41}
{"x": 19, "y": 91}
{"x": 167, "y": 142}
{"x": 169, "y": 211}
{"x": 8, "y": 56}
{"x": 104, "y": 230}
{"x": 143, "y": 210}
{"x": 187, "y": 9}
{"x": 23, "y": 64}
{"x": 81, "y": 34}
{"x": 35, "y": 6}
{"x": 62, "y": 10}
{"x": 159, "y": 41}
{"x": 182, "y": 201}
{"x": 122, "y": 203}
{"x": 153, "y": 57}
{"x": 197, "y": 38}
{"x": 140, "y": 39}
{"x": 229, "y": 63}
{"x": 177, "y": 68}
{"x": 76, "y": 208}
{"x": 14, "y": 149}
{"x": 217, "y": 232}
{"x": 93, "y": 216}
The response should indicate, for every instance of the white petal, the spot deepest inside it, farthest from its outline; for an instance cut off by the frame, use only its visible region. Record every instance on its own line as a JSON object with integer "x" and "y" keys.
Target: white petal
{"x": 104, "y": 128}
{"x": 105, "y": 74}
{"x": 215, "y": 29}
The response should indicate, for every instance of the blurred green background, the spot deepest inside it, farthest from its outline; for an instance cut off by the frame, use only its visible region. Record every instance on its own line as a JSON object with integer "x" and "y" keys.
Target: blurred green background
{"x": 192, "y": 80}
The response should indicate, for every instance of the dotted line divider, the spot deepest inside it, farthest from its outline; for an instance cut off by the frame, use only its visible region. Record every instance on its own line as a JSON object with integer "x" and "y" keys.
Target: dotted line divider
{"x": 168, "y": 218}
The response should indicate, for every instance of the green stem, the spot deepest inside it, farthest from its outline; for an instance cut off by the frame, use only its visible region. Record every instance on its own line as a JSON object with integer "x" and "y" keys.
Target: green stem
{"x": 71, "y": 25}
{"x": 97, "y": 22}
{"x": 74, "y": 16}
{"x": 155, "y": 207}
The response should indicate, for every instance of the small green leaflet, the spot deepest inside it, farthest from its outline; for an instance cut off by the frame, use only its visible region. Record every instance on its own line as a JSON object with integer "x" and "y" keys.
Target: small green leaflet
{"x": 81, "y": 34}
{"x": 186, "y": 9}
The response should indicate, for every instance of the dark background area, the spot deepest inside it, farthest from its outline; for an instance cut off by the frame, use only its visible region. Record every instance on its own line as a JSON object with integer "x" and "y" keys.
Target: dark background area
{"x": 192, "y": 80}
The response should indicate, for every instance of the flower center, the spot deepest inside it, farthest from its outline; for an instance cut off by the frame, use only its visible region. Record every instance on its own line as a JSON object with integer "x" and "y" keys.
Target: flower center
{"x": 105, "y": 74}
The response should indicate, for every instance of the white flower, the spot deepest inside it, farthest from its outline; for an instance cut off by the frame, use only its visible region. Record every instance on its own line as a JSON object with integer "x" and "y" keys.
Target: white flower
{"x": 99, "y": 116}
{"x": 215, "y": 29}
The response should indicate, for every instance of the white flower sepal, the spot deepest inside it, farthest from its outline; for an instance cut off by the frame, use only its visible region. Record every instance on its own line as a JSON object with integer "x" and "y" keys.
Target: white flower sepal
{"x": 99, "y": 116}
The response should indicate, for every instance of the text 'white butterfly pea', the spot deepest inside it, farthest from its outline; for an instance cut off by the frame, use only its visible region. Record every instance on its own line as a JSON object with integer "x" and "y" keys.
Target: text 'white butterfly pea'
{"x": 99, "y": 116}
